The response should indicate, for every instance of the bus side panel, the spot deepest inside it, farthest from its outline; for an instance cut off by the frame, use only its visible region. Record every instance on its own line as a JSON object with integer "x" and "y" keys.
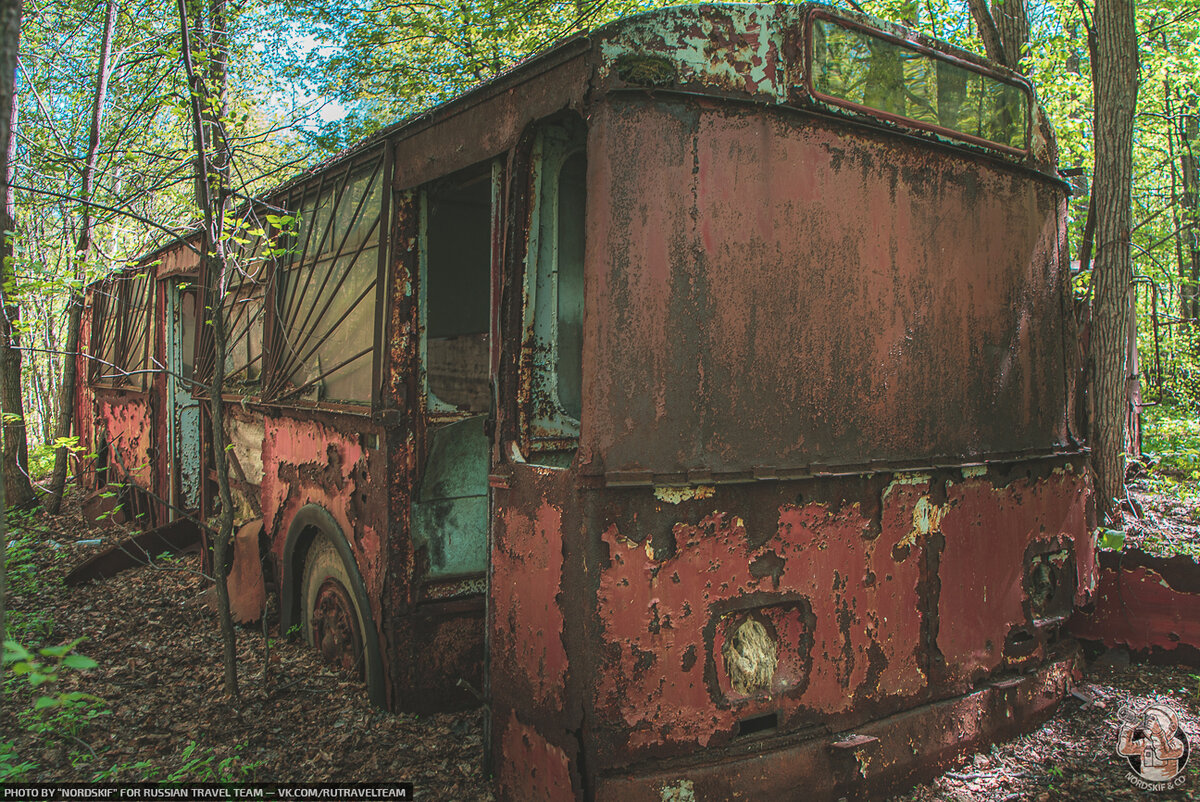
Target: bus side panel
{"x": 1011, "y": 557}
{"x": 537, "y": 519}
{"x": 129, "y": 426}
{"x": 825, "y": 583}
{"x": 770, "y": 290}
{"x": 861, "y": 597}
{"x": 326, "y": 463}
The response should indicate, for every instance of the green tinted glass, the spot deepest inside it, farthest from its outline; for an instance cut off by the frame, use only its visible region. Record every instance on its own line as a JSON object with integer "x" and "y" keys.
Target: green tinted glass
{"x": 854, "y": 66}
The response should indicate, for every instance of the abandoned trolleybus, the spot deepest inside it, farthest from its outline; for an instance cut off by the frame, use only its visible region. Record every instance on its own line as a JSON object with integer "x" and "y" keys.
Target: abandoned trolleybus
{"x": 701, "y": 392}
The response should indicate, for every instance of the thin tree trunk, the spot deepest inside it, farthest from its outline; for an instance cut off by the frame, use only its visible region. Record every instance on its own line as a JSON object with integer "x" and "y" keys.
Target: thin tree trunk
{"x": 1115, "y": 84}
{"x": 1190, "y": 273}
{"x": 14, "y": 459}
{"x": 82, "y": 253}
{"x": 208, "y": 111}
{"x": 993, "y": 45}
{"x": 10, "y": 40}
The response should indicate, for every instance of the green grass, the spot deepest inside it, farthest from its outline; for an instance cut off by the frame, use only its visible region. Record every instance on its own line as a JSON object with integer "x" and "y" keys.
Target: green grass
{"x": 1171, "y": 437}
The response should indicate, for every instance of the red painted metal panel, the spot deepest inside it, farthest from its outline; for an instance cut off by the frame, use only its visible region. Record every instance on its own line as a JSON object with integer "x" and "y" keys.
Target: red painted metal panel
{"x": 841, "y": 595}
{"x": 984, "y": 562}
{"x": 769, "y": 289}
{"x": 307, "y": 461}
{"x": 1147, "y": 604}
{"x": 527, "y": 578}
{"x": 129, "y": 424}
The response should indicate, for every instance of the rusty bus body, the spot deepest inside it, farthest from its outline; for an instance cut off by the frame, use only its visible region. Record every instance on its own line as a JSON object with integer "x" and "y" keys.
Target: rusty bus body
{"x": 702, "y": 392}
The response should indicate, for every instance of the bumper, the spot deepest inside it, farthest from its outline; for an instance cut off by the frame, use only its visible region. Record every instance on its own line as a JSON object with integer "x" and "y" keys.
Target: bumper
{"x": 877, "y": 758}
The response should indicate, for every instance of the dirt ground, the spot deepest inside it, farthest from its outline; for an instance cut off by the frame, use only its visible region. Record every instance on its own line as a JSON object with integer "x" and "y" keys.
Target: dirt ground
{"x": 165, "y": 715}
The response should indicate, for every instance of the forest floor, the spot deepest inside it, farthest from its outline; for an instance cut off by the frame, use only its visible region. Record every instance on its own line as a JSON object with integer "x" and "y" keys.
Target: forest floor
{"x": 161, "y": 713}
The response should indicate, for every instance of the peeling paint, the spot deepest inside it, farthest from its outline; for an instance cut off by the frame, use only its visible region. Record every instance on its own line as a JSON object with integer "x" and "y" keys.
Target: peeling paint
{"x": 678, "y": 495}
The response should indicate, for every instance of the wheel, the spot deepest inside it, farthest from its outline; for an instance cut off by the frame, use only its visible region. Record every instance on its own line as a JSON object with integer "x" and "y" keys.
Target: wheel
{"x": 330, "y": 614}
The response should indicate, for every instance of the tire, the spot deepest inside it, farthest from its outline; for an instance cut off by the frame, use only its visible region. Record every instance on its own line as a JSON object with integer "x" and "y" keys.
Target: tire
{"x": 330, "y": 613}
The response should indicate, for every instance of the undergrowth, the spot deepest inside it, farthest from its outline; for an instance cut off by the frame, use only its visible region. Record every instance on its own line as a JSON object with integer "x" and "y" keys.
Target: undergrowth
{"x": 1171, "y": 441}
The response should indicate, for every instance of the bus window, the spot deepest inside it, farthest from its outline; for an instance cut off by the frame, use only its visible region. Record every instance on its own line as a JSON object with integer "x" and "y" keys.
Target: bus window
{"x": 572, "y": 189}
{"x": 866, "y": 71}
{"x": 122, "y": 331}
{"x": 458, "y": 225}
{"x": 326, "y": 295}
{"x": 554, "y": 315}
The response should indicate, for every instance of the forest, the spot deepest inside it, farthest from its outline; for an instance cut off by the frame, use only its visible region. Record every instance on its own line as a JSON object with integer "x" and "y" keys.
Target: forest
{"x": 131, "y": 125}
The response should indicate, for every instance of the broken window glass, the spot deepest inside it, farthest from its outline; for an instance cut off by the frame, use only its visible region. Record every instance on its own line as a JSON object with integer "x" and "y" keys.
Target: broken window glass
{"x": 853, "y": 67}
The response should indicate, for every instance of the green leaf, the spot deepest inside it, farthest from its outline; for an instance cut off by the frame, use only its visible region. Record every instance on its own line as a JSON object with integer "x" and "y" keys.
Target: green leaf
{"x": 37, "y": 678}
{"x": 79, "y": 662}
{"x": 14, "y": 651}
{"x": 1112, "y": 539}
{"x": 44, "y": 702}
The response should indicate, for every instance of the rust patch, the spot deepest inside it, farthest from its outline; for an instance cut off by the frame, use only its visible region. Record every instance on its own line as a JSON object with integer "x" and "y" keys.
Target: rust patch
{"x": 129, "y": 427}
{"x": 247, "y": 592}
{"x": 1146, "y": 604}
{"x": 535, "y": 770}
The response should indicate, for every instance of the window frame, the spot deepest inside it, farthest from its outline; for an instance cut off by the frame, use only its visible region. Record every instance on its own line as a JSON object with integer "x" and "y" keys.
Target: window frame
{"x": 546, "y": 426}
{"x": 435, "y": 409}
{"x": 131, "y": 357}
{"x": 332, "y": 186}
{"x": 1022, "y": 85}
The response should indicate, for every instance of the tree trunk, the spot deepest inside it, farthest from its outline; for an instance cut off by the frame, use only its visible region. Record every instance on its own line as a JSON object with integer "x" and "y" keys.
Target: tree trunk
{"x": 14, "y": 458}
{"x": 208, "y": 113}
{"x": 10, "y": 36}
{"x": 1115, "y": 85}
{"x": 82, "y": 252}
{"x": 1190, "y": 232}
{"x": 1012, "y": 23}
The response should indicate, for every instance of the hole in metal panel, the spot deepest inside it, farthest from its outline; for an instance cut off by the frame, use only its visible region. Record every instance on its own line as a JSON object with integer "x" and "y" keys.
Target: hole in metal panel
{"x": 757, "y": 724}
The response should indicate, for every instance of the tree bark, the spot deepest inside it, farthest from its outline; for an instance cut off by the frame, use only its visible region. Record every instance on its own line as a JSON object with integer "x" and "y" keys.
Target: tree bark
{"x": 1115, "y": 86}
{"x": 82, "y": 253}
{"x": 14, "y": 459}
{"x": 208, "y": 113}
{"x": 993, "y": 45}
{"x": 1190, "y": 232}
{"x": 1012, "y": 23}
{"x": 10, "y": 40}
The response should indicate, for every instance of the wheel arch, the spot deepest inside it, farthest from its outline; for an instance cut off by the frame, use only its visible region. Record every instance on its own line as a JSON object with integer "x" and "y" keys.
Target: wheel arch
{"x": 311, "y": 521}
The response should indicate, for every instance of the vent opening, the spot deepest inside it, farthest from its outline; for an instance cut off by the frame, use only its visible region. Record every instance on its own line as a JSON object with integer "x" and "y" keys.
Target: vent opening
{"x": 757, "y": 724}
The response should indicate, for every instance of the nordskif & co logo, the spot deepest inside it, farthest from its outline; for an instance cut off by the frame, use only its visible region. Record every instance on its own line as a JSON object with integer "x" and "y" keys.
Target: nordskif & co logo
{"x": 1155, "y": 745}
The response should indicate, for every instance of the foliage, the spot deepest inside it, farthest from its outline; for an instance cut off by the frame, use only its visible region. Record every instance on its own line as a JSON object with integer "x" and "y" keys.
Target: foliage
{"x": 41, "y": 455}
{"x": 44, "y": 668}
{"x": 11, "y": 766}
{"x": 1171, "y": 438}
{"x": 56, "y": 714}
{"x": 383, "y": 61}
{"x": 24, "y": 542}
{"x": 1111, "y": 539}
{"x": 198, "y": 764}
